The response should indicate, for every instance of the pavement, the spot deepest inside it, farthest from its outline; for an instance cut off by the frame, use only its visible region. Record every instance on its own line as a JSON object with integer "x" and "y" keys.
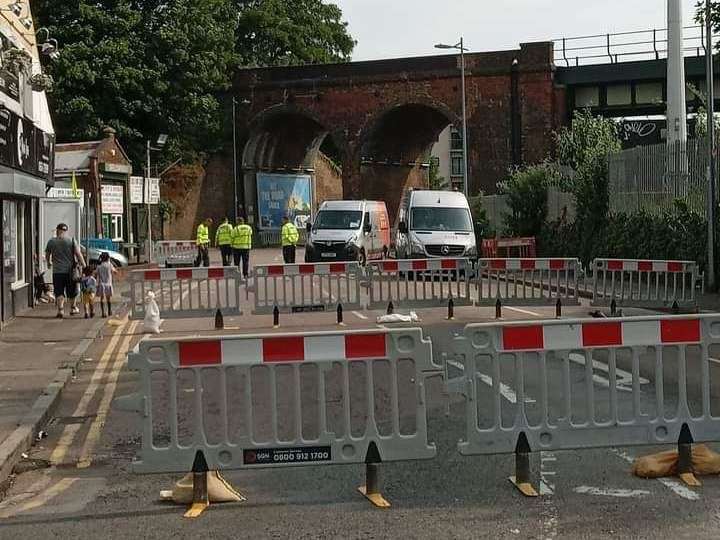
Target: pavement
{"x": 77, "y": 482}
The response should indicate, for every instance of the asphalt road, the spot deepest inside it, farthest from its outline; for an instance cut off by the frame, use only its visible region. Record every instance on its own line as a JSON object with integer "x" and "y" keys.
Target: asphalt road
{"x": 88, "y": 491}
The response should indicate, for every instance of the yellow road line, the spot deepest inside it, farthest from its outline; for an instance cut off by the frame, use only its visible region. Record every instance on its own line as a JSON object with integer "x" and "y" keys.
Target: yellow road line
{"x": 36, "y": 487}
{"x": 98, "y": 423}
{"x": 69, "y": 433}
{"x": 41, "y": 499}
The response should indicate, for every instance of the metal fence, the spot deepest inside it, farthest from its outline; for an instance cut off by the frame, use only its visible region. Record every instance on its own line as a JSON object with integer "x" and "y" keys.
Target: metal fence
{"x": 650, "y": 178}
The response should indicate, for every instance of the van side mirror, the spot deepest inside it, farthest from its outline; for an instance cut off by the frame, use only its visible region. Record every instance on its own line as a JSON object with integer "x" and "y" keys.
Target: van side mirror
{"x": 402, "y": 227}
{"x": 367, "y": 227}
{"x": 308, "y": 226}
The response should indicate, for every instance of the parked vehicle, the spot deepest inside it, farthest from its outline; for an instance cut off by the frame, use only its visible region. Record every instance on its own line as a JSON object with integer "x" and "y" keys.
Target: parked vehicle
{"x": 434, "y": 224}
{"x": 348, "y": 231}
{"x": 92, "y": 255}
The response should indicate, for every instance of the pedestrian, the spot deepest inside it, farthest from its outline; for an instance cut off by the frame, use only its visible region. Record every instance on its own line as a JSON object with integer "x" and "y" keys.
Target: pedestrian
{"x": 64, "y": 257}
{"x": 242, "y": 244}
{"x": 88, "y": 287}
{"x": 289, "y": 237}
{"x": 105, "y": 286}
{"x": 223, "y": 240}
{"x": 202, "y": 241}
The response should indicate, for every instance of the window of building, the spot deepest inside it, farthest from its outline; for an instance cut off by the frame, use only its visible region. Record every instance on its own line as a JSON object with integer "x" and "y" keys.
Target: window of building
{"x": 14, "y": 214}
{"x": 456, "y": 140}
{"x": 113, "y": 226}
{"x": 648, "y": 93}
{"x": 619, "y": 94}
{"x": 587, "y": 96}
{"x": 456, "y": 166}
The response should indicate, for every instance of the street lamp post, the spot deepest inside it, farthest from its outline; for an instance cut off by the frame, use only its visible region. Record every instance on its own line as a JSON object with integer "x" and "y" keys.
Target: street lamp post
{"x": 461, "y": 47}
{"x": 162, "y": 139}
{"x": 711, "y": 147}
{"x": 235, "y": 176}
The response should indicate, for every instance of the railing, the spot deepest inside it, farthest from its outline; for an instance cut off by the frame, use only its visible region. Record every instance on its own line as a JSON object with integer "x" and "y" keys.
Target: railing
{"x": 625, "y": 46}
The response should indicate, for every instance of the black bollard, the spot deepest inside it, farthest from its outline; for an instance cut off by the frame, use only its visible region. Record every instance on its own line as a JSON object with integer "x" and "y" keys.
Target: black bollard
{"x": 558, "y": 308}
{"x": 451, "y": 309}
{"x": 685, "y": 468}
{"x": 613, "y": 308}
{"x": 498, "y": 309}
{"x": 219, "y": 321}
{"x": 200, "y": 498}
{"x": 390, "y": 308}
{"x": 340, "y": 315}
{"x": 276, "y": 317}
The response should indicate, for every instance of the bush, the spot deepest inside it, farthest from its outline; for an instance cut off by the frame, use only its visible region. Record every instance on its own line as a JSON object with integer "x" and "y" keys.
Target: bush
{"x": 527, "y": 198}
{"x": 479, "y": 217}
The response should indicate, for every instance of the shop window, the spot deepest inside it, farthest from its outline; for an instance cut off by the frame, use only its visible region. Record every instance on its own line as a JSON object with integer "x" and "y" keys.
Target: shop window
{"x": 14, "y": 215}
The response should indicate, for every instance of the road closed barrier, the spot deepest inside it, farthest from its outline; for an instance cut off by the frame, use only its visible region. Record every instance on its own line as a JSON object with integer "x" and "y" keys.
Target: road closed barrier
{"x": 171, "y": 253}
{"x": 557, "y": 403}
{"x": 187, "y": 292}
{"x": 527, "y": 281}
{"x": 260, "y": 401}
{"x": 644, "y": 283}
{"x": 299, "y": 288}
{"x": 419, "y": 282}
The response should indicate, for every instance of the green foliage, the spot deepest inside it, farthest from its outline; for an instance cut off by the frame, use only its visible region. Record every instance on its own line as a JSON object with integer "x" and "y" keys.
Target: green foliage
{"x": 288, "y": 32}
{"x": 435, "y": 181}
{"x": 527, "y": 191}
{"x": 147, "y": 67}
{"x": 479, "y": 217}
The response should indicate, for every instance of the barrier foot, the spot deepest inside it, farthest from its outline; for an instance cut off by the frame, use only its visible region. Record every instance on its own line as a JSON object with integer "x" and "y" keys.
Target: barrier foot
{"x": 219, "y": 320}
{"x": 521, "y": 480}
{"x": 685, "y": 467}
{"x": 276, "y": 317}
{"x": 200, "y": 500}
{"x": 371, "y": 490}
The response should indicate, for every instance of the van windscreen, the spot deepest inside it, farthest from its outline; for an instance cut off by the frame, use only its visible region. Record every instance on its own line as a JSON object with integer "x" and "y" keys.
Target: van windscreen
{"x": 431, "y": 218}
{"x": 338, "y": 219}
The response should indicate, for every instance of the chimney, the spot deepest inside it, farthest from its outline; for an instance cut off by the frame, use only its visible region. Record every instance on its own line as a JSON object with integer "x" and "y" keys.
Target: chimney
{"x": 109, "y": 132}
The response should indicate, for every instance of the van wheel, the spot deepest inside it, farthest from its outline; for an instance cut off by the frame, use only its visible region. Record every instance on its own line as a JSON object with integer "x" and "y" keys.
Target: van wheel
{"x": 362, "y": 258}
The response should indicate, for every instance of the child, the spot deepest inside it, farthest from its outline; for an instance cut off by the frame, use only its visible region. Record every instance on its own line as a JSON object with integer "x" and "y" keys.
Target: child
{"x": 88, "y": 286}
{"x": 105, "y": 272}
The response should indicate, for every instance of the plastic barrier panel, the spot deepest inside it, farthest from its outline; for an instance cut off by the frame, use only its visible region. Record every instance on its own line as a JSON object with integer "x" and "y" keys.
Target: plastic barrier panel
{"x": 277, "y": 401}
{"x": 527, "y": 281}
{"x": 174, "y": 253}
{"x": 570, "y": 384}
{"x": 297, "y": 288}
{"x": 187, "y": 292}
{"x": 644, "y": 283}
{"x": 419, "y": 282}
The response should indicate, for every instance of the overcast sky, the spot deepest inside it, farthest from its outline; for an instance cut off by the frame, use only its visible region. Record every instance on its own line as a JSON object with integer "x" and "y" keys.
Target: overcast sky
{"x": 396, "y": 28}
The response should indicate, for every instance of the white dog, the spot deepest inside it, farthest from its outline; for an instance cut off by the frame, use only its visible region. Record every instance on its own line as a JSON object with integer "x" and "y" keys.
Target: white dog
{"x": 152, "y": 321}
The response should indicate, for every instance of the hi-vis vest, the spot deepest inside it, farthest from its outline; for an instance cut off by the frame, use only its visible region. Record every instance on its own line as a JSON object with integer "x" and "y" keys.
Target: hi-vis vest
{"x": 242, "y": 237}
{"x": 290, "y": 235}
{"x": 223, "y": 237}
{"x": 203, "y": 235}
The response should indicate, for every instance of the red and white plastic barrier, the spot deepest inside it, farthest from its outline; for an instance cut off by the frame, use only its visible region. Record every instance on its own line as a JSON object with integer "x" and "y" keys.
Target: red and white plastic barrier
{"x": 172, "y": 274}
{"x": 638, "y": 265}
{"x": 273, "y": 349}
{"x": 528, "y": 264}
{"x": 305, "y": 269}
{"x": 174, "y": 252}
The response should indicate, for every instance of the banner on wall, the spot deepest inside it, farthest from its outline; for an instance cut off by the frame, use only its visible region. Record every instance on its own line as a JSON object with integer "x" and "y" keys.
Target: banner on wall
{"x": 282, "y": 195}
{"x": 112, "y": 199}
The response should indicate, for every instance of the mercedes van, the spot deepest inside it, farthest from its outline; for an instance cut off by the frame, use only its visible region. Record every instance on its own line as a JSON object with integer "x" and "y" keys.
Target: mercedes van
{"x": 434, "y": 224}
{"x": 348, "y": 231}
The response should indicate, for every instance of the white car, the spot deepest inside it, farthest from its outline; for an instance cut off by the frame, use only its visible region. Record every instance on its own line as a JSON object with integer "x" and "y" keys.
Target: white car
{"x": 92, "y": 256}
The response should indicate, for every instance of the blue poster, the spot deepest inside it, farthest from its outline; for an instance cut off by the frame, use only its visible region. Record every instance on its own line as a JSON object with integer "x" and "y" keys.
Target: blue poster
{"x": 281, "y": 195}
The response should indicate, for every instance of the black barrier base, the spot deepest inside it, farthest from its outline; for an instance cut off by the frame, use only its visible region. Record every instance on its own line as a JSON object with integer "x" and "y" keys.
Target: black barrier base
{"x": 371, "y": 490}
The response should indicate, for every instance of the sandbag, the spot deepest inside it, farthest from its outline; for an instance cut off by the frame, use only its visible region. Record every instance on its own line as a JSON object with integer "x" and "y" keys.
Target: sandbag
{"x": 704, "y": 461}
{"x": 219, "y": 490}
{"x": 152, "y": 322}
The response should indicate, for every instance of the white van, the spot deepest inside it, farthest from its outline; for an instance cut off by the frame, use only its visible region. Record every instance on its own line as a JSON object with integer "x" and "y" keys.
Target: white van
{"x": 434, "y": 224}
{"x": 348, "y": 231}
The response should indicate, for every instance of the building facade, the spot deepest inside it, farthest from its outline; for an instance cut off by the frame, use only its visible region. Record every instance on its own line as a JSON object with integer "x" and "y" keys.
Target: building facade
{"x": 26, "y": 155}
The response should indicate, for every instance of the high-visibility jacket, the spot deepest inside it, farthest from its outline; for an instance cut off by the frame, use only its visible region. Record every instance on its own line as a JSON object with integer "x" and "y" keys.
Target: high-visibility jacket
{"x": 242, "y": 237}
{"x": 203, "y": 235}
{"x": 290, "y": 235}
{"x": 223, "y": 236}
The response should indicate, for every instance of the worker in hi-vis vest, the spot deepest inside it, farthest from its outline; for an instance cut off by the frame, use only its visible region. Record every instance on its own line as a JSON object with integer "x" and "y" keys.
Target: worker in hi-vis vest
{"x": 223, "y": 240}
{"x": 242, "y": 244}
{"x": 203, "y": 243}
{"x": 289, "y": 237}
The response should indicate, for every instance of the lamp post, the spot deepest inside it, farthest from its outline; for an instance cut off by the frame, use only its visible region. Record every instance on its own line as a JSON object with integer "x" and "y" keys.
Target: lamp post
{"x": 235, "y": 177}
{"x": 162, "y": 139}
{"x": 461, "y": 47}
{"x": 711, "y": 146}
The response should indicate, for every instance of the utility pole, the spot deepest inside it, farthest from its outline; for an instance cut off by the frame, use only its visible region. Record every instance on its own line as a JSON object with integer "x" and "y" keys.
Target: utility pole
{"x": 146, "y": 194}
{"x": 235, "y": 177}
{"x": 711, "y": 146}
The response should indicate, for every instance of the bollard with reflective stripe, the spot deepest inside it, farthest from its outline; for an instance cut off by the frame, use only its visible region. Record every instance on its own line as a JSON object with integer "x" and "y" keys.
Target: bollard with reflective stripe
{"x": 254, "y": 425}
{"x": 187, "y": 292}
{"x": 527, "y": 281}
{"x": 644, "y": 283}
{"x": 419, "y": 283}
{"x": 297, "y": 288}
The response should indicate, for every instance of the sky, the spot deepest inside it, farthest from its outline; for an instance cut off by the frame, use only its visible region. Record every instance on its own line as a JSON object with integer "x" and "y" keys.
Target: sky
{"x": 398, "y": 28}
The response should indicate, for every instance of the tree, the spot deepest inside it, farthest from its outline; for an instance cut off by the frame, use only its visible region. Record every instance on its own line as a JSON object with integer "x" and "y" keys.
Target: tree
{"x": 527, "y": 192}
{"x": 435, "y": 180}
{"x": 290, "y": 32}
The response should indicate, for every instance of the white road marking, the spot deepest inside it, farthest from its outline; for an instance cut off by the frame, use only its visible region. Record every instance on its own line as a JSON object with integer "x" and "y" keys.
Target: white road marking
{"x": 624, "y": 378}
{"x": 360, "y": 315}
{"x": 715, "y": 360}
{"x": 506, "y": 392}
{"x": 609, "y": 492}
{"x": 549, "y": 511}
{"x": 523, "y": 311}
{"x": 673, "y": 485}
